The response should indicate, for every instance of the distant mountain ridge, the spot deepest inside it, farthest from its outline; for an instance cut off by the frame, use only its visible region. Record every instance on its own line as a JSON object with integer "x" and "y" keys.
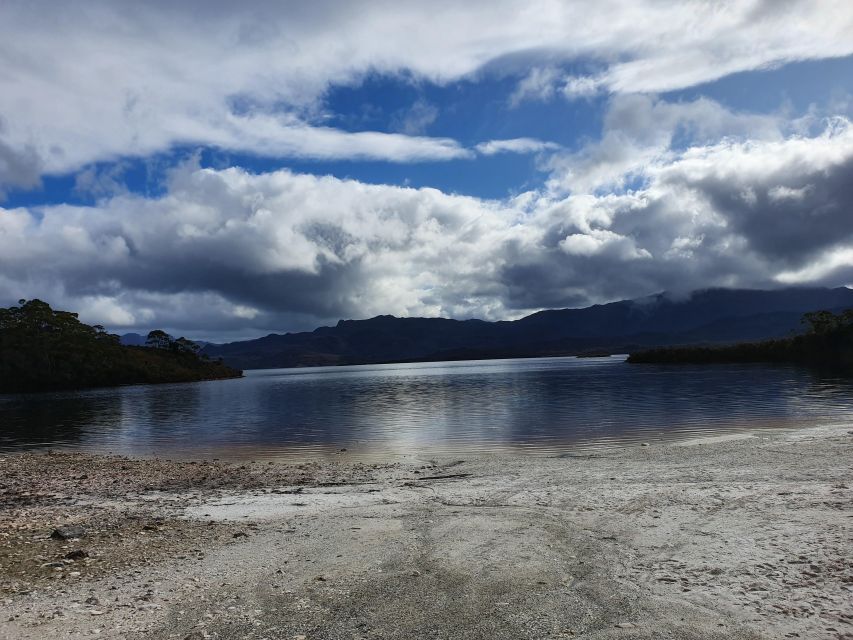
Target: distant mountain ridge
{"x": 711, "y": 316}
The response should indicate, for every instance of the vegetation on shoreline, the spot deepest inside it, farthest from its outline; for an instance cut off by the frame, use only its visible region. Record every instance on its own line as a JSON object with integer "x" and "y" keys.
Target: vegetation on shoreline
{"x": 44, "y": 349}
{"x": 827, "y": 343}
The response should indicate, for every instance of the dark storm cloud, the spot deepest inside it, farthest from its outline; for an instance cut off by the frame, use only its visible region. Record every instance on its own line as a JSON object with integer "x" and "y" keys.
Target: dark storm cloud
{"x": 790, "y": 216}
{"x": 19, "y": 168}
{"x": 735, "y": 213}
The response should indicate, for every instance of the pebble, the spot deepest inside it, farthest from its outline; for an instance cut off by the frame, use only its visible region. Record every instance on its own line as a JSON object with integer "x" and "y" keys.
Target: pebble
{"x": 68, "y": 532}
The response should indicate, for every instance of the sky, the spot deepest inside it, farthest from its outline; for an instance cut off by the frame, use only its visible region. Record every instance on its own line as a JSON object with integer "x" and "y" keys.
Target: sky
{"x": 226, "y": 170}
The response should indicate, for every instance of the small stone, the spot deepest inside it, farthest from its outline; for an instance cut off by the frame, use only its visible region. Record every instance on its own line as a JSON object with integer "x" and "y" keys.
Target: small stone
{"x": 68, "y": 532}
{"x": 644, "y": 444}
{"x": 194, "y": 635}
{"x": 93, "y": 601}
{"x": 625, "y": 625}
{"x": 241, "y": 534}
{"x": 77, "y": 554}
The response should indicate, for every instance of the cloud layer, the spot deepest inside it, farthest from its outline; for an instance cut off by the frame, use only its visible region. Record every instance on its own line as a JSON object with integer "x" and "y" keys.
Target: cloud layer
{"x": 226, "y": 250}
{"x": 103, "y": 80}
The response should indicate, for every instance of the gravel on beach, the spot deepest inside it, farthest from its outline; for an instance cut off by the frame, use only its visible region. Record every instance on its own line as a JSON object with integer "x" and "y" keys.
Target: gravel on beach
{"x": 745, "y": 537}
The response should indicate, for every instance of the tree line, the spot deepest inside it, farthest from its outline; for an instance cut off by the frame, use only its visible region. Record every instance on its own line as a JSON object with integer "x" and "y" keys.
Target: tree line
{"x": 827, "y": 342}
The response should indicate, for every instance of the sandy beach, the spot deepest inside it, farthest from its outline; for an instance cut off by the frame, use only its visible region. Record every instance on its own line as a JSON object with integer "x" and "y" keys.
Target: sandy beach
{"x": 746, "y": 537}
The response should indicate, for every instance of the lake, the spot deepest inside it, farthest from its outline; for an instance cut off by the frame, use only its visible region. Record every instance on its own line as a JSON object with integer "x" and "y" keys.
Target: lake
{"x": 545, "y": 406}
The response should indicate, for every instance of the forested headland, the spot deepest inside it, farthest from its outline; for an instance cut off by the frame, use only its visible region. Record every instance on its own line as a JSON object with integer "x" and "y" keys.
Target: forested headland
{"x": 44, "y": 349}
{"x": 827, "y": 343}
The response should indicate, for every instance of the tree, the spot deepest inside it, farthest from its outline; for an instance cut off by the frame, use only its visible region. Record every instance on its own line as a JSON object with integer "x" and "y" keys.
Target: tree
{"x": 823, "y": 322}
{"x": 158, "y": 339}
{"x": 185, "y": 346}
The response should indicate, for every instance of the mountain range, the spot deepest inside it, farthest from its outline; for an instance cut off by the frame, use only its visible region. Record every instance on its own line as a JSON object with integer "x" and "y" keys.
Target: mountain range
{"x": 711, "y": 316}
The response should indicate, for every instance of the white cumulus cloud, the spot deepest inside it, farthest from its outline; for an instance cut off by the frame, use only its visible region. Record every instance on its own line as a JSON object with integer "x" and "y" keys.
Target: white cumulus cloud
{"x": 515, "y": 145}
{"x": 96, "y": 81}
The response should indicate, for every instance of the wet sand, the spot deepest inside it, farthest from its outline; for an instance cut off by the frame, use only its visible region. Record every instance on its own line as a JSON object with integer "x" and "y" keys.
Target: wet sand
{"x": 744, "y": 537}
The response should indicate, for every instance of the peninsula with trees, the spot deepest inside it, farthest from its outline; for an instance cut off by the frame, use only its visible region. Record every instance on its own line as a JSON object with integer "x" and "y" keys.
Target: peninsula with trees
{"x": 827, "y": 343}
{"x": 43, "y": 349}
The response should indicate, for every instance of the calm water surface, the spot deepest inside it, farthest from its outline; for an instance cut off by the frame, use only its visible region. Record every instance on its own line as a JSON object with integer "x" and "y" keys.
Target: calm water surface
{"x": 547, "y": 405}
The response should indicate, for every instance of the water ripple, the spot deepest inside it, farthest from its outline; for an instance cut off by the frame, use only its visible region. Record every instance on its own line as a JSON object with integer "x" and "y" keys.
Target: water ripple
{"x": 542, "y": 406}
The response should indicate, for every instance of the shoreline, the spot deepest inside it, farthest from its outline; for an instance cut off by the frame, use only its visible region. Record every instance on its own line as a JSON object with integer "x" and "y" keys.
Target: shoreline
{"x": 345, "y": 452}
{"x": 740, "y": 536}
